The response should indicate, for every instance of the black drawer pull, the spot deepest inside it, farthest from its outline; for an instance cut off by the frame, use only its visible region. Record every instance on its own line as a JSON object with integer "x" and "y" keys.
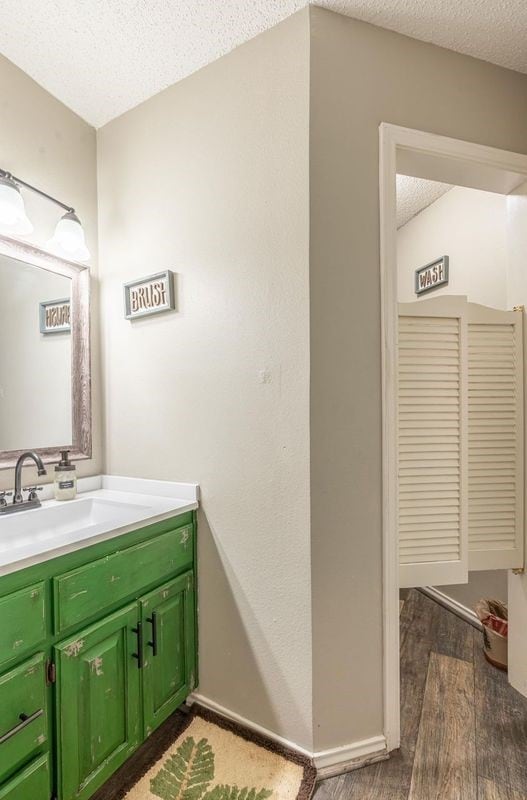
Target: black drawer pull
{"x": 153, "y": 621}
{"x": 24, "y": 722}
{"x": 139, "y": 654}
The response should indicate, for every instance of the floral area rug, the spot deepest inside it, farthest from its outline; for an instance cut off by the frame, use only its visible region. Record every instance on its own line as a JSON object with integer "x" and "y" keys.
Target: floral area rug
{"x": 214, "y": 759}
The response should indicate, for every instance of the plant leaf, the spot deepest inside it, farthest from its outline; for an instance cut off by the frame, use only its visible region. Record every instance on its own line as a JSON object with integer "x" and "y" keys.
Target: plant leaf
{"x": 224, "y": 792}
{"x": 187, "y": 773}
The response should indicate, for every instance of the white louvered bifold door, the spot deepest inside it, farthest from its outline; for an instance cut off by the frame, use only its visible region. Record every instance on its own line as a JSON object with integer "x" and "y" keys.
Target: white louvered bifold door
{"x": 432, "y": 442}
{"x": 495, "y": 438}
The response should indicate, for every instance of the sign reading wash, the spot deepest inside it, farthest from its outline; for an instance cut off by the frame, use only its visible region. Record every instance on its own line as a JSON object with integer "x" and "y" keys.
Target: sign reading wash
{"x": 149, "y": 295}
{"x": 432, "y": 275}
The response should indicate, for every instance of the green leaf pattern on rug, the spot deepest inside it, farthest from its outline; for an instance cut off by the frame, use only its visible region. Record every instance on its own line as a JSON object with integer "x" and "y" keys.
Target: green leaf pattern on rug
{"x": 233, "y": 793}
{"x": 188, "y": 773}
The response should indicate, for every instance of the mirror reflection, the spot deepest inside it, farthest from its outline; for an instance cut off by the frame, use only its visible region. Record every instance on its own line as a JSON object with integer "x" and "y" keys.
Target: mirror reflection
{"x": 35, "y": 357}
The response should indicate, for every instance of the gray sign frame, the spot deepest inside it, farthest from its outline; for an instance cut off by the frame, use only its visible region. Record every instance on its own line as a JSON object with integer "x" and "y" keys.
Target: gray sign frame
{"x": 168, "y": 277}
{"x": 444, "y": 260}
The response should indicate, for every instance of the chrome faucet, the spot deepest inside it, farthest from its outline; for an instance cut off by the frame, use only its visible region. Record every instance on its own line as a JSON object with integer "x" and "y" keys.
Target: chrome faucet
{"x": 18, "y": 498}
{"x": 19, "y": 504}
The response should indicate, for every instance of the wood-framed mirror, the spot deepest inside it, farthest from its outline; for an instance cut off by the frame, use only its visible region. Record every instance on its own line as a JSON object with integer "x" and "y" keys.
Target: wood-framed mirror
{"x": 45, "y": 373}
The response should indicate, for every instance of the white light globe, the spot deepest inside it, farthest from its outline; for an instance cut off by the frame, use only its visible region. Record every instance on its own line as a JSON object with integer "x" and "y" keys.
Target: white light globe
{"x": 13, "y": 217}
{"x": 68, "y": 239}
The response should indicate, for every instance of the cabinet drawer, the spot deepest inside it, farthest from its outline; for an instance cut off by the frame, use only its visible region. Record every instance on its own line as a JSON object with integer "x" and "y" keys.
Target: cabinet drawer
{"x": 32, "y": 783}
{"x": 89, "y": 590}
{"x": 23, "y": 719}
{"x": 23, "y": 622}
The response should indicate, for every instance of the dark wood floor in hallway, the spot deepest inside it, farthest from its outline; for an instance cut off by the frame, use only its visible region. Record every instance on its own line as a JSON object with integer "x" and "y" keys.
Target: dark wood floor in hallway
{"x": 463, "y": 728}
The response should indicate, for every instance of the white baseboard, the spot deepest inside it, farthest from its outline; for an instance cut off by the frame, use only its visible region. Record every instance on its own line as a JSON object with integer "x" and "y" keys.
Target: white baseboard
{"x": 338, "y": 760}
{"x": 327, "y": 762}
{"x": 453, "y": 605}
{"x": 246, "y": 723}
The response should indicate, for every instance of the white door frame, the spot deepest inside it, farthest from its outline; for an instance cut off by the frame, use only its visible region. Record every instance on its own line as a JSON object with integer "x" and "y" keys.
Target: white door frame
{"x": 454, "y": 161}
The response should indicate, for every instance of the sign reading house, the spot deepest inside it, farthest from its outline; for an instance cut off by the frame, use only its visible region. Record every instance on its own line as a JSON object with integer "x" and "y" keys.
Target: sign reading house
{"x": 55, "y": 316}
{"x": 432, "y": 275}
{"x": 149, "y": 295}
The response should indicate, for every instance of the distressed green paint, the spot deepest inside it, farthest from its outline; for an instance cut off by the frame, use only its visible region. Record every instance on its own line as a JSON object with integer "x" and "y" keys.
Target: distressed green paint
{"x": 88, "y": 590}
{"x": 31, "y": 783}
{"x": 98, "y": 702}
{"x": 22, "y": 691}
{"x": 39, "y": 617}
{"x": 22, "y": 622}
{"x": 168, "y": 675}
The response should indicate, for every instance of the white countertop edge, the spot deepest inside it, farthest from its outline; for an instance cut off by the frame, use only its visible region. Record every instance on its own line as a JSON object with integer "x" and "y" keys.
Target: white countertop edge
{"x": 121, "y": 483}
{"x": 48, "y": 555}
{"x": 172, "y": 489}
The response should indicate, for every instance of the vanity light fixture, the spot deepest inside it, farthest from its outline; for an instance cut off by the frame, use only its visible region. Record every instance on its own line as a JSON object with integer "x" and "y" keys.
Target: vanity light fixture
{"x": 67, "y": 241}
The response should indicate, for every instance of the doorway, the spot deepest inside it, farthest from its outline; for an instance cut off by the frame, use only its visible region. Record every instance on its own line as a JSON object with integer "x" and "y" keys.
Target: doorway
{"x": 436, "y": 158}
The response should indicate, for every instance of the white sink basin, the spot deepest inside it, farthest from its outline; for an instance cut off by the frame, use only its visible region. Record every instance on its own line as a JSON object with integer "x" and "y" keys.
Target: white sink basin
{"x": 61, "y": 519}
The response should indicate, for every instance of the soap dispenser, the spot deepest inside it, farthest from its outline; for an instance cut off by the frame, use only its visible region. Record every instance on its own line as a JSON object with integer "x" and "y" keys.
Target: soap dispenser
{"x": 65, "y": 478}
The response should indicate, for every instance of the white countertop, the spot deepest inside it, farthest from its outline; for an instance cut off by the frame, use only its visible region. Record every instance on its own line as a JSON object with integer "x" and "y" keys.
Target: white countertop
{"x": 106, "y": 506}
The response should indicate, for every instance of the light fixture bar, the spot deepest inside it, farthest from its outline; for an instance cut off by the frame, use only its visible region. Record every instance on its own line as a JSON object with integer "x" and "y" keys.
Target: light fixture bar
{"x": 5, "y": 174}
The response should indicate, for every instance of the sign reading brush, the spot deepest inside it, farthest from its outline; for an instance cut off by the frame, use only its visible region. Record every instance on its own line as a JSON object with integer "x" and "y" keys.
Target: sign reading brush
{"x": 55, "y": 316}
{"x": 150, "y": 295}
{"x": 432, "y": 275}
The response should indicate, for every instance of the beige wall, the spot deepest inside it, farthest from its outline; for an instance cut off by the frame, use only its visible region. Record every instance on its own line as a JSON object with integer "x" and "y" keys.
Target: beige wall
{"x": 361, "y": 76}
{"x": 210, "y": 179}
{"x": 491, "y": 583}
{"x": 48, "y": 145}
{"x": 470, "y": 227}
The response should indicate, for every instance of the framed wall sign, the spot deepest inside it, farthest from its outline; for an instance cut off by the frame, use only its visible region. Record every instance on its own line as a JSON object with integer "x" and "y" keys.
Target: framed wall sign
{"x": 149, "y": 295}
{"x": 432, "y": 275}
{"x": 55, "y": 316}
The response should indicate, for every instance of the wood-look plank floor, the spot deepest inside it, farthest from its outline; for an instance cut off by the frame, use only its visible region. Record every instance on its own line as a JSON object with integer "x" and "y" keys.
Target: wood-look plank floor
{"x": 463, "y": 728}
{"x": 447, "y": 727}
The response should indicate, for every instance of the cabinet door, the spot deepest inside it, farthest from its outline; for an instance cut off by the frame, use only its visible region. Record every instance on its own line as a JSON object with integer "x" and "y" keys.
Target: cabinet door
{"x": 167, "y": 616}
{"x": 98, "y": 702}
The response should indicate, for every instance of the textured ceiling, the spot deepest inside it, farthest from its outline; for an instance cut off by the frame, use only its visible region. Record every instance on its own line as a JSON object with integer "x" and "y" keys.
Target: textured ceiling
{"x": 102, "y": 57}
{"x": 416, "y": 194}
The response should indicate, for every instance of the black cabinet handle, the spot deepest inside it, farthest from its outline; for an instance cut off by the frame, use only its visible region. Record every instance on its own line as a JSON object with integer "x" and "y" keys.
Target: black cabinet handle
{"x": 139, "y": 654}
{"x": 25, "y": 720}
{"x": 153, "y": 621}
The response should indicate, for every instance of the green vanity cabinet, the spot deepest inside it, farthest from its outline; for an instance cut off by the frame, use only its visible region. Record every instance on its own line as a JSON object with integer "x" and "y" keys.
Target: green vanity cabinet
{"x": 97, "y": 648}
